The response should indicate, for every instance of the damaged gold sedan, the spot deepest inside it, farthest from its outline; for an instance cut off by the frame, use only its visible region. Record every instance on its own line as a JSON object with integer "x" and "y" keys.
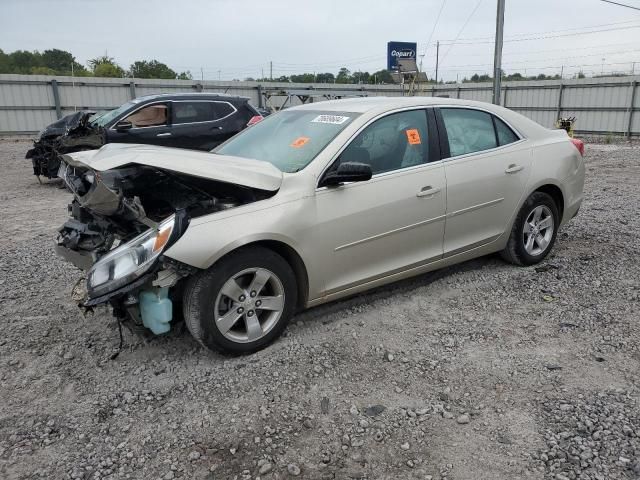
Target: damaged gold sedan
{"x": 312, "y": 204}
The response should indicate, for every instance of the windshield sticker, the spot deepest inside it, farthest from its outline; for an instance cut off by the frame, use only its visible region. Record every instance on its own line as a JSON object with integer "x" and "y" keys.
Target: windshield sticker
{"x": 300, "y": 142}
{"x": 333, "y": 119}
{"x": 413, "y": 136}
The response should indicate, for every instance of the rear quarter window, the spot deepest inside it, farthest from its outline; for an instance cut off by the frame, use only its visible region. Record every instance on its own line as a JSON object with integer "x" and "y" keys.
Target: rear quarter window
{"x": 505, "y": 134}
{"x": 222, "y": 109}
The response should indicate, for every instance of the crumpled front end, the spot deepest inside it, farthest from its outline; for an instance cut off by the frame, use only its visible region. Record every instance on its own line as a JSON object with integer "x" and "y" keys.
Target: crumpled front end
{"x": 72, "y": 133}
{"x": 123, "y": 219}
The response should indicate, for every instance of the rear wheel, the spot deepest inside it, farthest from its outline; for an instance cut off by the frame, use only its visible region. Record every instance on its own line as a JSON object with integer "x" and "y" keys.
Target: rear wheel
{"x": 242, "y": 303}
{"x": 534, "y": 231}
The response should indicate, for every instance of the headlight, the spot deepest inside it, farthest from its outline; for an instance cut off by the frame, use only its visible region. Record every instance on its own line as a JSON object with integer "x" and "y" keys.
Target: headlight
{"x": 130, "y": 261}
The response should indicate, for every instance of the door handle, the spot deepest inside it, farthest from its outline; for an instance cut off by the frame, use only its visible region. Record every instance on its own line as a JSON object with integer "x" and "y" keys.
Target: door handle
{"x": 427, "y": 191}
{"x": 166, "y": 134}
{"x": 513, "y": 168}
{"x": 216, "y": 128}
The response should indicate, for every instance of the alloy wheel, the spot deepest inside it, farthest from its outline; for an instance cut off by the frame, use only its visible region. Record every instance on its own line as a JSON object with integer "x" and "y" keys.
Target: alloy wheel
{"x": 249, "y": 305}
{"x": 538, "y": 230}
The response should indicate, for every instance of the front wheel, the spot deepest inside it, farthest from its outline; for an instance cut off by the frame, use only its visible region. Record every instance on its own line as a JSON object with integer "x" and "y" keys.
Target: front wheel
{"x": 242, "y": 303}
{"x": 534, "y": 230}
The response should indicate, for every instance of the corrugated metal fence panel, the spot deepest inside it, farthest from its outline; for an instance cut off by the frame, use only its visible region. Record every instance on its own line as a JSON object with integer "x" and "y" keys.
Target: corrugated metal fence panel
{"x": 27, "y": 103}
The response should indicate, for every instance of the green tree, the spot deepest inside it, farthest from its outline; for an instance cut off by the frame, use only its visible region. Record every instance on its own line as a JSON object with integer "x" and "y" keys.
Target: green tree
{"x": 106, "y": 66}
{"x": 42, "y": 71}
{"x": 381, "y": 76}
{"x": 303, "y": 78}
{"x": 22, "y": 61}
{"x": 360, "y": 77}
{"x": 326, "y": 77}
{"x": 151, "y": 69}
{"x": 5, "y": 63}
{"x": 185, "y": 75}
{"x": 344, "y": 76}
{"x": 62, "y": 62}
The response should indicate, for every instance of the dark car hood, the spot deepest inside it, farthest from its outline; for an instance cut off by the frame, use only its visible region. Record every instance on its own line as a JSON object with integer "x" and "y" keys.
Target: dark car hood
{"x": 67, "y": 124}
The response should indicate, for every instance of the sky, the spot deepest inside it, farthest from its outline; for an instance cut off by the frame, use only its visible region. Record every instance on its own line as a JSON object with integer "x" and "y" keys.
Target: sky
{"x": 235, "y": 39}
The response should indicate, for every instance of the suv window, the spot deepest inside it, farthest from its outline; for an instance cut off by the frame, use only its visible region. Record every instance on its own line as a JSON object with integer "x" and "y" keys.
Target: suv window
{"x": 396, "y": 141}
{"x": 222, "y": 109}
{"x": 505, "y": 134}
{"x": 468, "y": 130}
{"x": 152, "y": 116}
{"x": 189, "y": 112}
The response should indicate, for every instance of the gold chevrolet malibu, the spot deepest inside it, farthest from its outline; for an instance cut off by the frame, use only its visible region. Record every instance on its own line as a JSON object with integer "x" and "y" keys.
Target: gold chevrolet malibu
{"x": 312, "y": 204}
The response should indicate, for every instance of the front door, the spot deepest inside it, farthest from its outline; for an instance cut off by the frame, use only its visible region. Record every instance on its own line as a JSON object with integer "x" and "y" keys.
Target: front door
{"x": 367, "y": 230}
{"x": 149, "y": 124}
{"x": 486, "y": 172}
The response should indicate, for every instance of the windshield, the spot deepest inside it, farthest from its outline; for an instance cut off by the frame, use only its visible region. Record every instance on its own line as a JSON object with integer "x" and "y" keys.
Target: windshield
{"x": 105, "y": 118}
{"x": 290, "y": 139}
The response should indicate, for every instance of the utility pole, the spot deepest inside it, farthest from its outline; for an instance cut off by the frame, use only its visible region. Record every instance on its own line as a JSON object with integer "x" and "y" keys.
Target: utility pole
{"x": 201, "y": 74}
{"x": 219, "y": 76}
{"x": 497, "y": 54}
{"x": 437, "y": 58}
{"x": 271, "y": 71}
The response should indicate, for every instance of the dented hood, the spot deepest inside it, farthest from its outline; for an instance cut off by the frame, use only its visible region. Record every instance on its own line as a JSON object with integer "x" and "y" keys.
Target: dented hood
{"x": 223, "y": 168}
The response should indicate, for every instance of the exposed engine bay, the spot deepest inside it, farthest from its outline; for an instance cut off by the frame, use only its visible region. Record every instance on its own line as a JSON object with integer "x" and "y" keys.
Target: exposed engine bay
{"x": 122, "y": 220}
{"x": 72, "y": 133}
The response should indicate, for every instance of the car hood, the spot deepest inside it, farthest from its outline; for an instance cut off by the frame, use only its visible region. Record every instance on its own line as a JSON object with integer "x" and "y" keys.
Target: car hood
{"x": 223, "y": 168}
{"x": 67, "y": 124}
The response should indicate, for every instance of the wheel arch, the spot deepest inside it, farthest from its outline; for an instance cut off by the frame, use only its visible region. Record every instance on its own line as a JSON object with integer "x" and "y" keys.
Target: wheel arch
{"x": 286, "y": 251}
{"x": 555, "y": 192}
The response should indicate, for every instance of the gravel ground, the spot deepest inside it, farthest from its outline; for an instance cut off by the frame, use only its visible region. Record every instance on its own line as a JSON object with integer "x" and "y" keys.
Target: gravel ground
{"x": 481, "y": 371}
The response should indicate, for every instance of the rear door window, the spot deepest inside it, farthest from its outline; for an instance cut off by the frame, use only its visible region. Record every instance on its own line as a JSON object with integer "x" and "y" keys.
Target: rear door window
{"x": 191, "y": 112}
{"x": 468, "y": 130}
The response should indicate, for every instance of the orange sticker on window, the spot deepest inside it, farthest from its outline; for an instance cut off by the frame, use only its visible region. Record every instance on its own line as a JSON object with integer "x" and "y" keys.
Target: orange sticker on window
{"x": 413, "y": 136}
{"x": 300, "y": 142}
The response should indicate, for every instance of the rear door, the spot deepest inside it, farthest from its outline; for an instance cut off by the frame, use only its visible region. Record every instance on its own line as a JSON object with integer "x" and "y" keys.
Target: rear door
{"x": 201, "y": 124}
{"x": 486, "y": 172}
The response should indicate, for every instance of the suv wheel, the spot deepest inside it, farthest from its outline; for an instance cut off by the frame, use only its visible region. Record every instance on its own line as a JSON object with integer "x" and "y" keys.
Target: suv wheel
{"x": 243, "y": 302}
{"x": 534, "y": 231}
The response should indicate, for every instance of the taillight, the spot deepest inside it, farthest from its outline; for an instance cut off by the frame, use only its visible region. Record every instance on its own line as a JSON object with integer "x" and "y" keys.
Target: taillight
{"x": 255, "y": 119}
{"x": 579, "y": 144}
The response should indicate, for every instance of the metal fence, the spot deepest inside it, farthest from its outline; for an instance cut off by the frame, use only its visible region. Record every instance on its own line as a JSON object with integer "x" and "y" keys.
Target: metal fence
{"x": 601, "y": 105}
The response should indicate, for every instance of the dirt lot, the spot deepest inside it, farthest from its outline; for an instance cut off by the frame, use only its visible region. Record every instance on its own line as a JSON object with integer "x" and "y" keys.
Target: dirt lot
{"x": 482, "y": 371}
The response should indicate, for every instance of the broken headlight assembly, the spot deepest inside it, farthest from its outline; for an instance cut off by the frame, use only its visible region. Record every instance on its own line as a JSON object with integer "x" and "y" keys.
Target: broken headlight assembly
{"x": 129, "y": 261}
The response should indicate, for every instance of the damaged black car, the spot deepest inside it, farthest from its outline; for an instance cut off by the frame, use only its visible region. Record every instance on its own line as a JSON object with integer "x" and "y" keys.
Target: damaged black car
{"x": 198, "y": 121}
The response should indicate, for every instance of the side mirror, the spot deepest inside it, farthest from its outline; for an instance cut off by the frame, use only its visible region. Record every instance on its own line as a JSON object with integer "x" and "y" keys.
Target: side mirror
{"x": 348, "y": 172}
{"x": 123, "y": 125}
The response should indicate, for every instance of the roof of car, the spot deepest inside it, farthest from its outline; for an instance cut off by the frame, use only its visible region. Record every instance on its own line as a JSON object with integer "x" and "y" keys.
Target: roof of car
{"x": 189, "y": 96}
{"x": 380, "y": 105}
{"x": 365, "y": 104}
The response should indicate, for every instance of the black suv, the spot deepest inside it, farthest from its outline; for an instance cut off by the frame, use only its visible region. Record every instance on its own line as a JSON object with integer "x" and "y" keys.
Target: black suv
{"x": 199, "y": 121}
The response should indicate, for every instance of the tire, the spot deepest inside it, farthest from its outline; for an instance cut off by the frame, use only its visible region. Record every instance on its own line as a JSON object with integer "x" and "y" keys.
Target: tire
{"x": 521, "y": 249}
{"x": 221, "y": 311}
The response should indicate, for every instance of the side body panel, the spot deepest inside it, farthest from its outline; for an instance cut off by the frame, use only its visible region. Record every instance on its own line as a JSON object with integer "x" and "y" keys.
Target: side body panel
{"x": 366, "y": 230}
{"x": 482, "y": 195}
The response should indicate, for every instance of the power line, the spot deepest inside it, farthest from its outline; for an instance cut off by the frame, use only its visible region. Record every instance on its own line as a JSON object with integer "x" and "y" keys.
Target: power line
{"x": 543, "y": 37}
{"x": 434, "y": 27}
{"x": 620, "y": 4}
{"x": 585, "y": 27}
{"x": 461, "y": 30}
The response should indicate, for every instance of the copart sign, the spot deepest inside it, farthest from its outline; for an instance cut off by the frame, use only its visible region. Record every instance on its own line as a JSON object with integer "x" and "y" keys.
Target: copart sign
{"x": 399, "y": 50}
